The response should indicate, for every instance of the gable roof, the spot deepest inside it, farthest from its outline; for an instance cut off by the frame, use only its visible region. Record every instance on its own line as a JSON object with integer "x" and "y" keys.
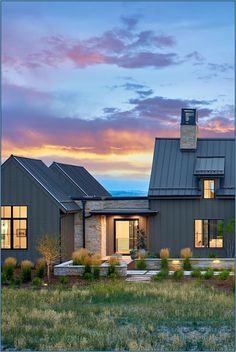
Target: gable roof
{"x": 47, "y": 181}
{"x": 79, "y": 181}
{"x": 173, "y": 170}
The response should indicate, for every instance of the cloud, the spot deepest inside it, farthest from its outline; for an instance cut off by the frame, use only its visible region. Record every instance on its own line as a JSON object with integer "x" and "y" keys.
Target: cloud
{"x": 130, "y": 22}
{"x": 119, "y": 142}
{"x": 220, "y": 67}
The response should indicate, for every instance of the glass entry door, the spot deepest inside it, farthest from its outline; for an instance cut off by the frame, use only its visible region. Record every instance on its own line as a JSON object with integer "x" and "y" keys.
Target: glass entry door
{"x": 126, "y": 235}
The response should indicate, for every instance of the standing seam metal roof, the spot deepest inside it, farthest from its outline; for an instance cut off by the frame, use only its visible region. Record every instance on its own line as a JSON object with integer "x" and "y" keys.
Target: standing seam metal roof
{"x": 46, "y": 179}
{"x": 173, "y": 169}
{"x": 82, "y": 179}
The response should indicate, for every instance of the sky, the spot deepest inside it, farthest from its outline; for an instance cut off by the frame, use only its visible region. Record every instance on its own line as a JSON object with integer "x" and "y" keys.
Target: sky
{"x": 93, "y": 83}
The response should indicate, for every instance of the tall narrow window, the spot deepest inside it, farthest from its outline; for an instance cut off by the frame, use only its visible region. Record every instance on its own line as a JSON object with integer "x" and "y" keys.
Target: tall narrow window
{"x": 207, "y": 234}
{"x": 14, "y": 227}
{"x": 209, "y": 189}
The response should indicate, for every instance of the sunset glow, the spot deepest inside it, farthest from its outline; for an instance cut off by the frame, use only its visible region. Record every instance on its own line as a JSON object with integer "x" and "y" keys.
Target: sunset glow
{"x": 95, "y": 90}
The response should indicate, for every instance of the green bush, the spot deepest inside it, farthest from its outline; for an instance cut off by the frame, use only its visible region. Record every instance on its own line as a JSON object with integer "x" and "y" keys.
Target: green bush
{"x": 96, "y": 272}
{"x": 141, "y": 264}
{"x": 112, "y": 272}
{"x": 196, "y": 273}
{"x": 40, "y": 268}
{"x": 64, "y": 280}
{"x": 161, "y": 275}
{"x": 208, "y": 274}
{"x": 212, "y": 255}
{"x": 26, "y": 270}
{"x": 186, "y": 264}
{"x": 88, "y": 276}
{"x": 114, "y": 275}
{"x": 37, "y": 282}
{"x": 178, "y": 274}
{"x": 4, "y": 278}
{"x": 164, "y": 264}
{"x": 224, "y": 275}
{"x": 9, "y": 267}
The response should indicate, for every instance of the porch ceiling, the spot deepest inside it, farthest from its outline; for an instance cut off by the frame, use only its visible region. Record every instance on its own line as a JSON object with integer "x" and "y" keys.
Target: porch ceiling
{"x": 130, "y": 211}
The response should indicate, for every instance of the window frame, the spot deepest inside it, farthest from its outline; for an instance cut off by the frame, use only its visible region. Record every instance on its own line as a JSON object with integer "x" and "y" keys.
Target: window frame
{"x": 209, "y": 189}
{"x": 12, "y": 229}
{"x": 208, "y": 239}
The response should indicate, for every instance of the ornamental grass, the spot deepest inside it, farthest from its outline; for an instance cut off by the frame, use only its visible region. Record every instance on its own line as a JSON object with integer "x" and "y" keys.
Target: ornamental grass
{"x": 186, "y": 253}
{"x": 164, "y": 253}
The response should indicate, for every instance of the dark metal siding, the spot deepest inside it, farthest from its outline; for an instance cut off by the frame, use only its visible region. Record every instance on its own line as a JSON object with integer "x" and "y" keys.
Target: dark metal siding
{"x": 67, "y": 236}
{"x": 173, "y": 226}
{"x": 43, "y": 214}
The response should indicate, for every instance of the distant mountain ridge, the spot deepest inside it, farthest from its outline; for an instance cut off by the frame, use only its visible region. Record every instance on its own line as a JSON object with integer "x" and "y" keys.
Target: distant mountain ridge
{"x": 132, "y": 193}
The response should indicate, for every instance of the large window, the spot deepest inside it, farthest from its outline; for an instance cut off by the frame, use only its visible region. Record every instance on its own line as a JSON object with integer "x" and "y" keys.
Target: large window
{"x": 14, "y": 227}
{"x": 209, "y": 189}
{"x": 207, "y": 234}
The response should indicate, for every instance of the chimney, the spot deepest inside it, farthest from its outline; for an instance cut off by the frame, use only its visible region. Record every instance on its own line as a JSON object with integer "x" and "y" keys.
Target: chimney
{"x": 188, "y": 129}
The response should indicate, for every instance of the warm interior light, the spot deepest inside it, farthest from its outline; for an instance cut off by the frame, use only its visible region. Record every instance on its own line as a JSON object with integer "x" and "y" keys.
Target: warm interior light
{"x": 45, "y": 284}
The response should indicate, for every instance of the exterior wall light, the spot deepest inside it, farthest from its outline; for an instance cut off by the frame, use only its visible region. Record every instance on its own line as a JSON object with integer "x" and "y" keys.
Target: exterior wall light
{"x": 175, "y": 264}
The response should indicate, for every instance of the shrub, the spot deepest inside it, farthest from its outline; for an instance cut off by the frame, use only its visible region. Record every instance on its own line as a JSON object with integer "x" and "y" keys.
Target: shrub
{"x": 178, "y": 274}
{"x": 4, "y": 279}
{"x": 88, "y": 276}
{"x": 17, "y": 281}
{"x": 112, "y": 272}
{"x": 141, "y": 264}
{"x": 164, "y": 264}
{"x": 186, "y": 253}
{"x": 26, "y": 269}
{"x": 40, "y": 268}
{"x": 37, "y": 282}
{"x": 80, "y": 257}
{"x": 164, "y": 253}
{"x": 8, "y": 267}
{"x": 64, "y": 280}
{"x": 113, "y": 261}
{"x": 186, "y": 264}
{"x": 212, "y": 255}
{"x": 196, "y": 273}
{"x": 161, "y": 275}
{"x": 224, "y": 275}
{"x": 96, "y": 272}
{"x": 208, "y": 274}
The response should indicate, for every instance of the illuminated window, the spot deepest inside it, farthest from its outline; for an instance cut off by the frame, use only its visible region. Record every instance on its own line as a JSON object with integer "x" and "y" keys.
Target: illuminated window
{"x": 209, "y": 189}
{"x": 207, "y": 234}
{"x": 13, "y": 227}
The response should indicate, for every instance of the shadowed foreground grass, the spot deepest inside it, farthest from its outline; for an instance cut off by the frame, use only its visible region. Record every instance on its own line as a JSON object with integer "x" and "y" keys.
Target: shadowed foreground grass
{"x": 166, "y": 316}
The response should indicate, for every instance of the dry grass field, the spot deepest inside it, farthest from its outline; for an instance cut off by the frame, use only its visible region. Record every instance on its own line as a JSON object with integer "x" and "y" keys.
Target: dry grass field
{"x": 116, "y": 315}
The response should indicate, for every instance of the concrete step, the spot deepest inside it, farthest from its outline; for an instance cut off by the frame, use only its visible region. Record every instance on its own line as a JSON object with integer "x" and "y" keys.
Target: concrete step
{"x": 138, "y": 278}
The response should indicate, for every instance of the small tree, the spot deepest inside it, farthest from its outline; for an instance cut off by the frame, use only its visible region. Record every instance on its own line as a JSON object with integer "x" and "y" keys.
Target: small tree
{"x": 227, "y": 232}
{"x": 49, "y": 247}
{"x": 141, "y": 240}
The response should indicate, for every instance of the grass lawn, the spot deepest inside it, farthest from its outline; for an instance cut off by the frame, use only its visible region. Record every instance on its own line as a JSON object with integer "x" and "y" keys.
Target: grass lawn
{"x": 116, "y": 315}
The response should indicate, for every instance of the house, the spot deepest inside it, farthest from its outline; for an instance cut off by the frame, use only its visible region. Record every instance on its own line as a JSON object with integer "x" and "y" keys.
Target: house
{"x": 192, "y": 186}
{"x": 191, "y": 191}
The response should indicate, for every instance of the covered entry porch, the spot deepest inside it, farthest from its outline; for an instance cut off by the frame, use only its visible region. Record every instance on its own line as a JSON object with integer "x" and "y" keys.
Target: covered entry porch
{"x": 124, "y": 228}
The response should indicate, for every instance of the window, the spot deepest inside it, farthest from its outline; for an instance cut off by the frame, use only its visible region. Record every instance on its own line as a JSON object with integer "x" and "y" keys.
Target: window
{"x": 209, "y": 189}
{"x": 206, "y": 234}
{"x": 14, "y": 227}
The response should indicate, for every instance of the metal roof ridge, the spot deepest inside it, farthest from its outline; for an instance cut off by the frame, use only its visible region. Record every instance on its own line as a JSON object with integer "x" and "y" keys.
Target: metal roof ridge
{"x": 70, "y": 177}
{"x": 60, "y": 202}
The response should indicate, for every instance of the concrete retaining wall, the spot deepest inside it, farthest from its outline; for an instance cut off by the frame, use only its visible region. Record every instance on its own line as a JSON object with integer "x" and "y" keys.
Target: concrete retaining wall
{"x": 176, "y": 263}
{"x": 68, "y": 269}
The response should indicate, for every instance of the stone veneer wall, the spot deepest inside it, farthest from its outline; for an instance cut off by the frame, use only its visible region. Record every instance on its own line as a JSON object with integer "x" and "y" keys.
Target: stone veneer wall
{"x": 95, "y": 226}
{"x": 188, "y": 139}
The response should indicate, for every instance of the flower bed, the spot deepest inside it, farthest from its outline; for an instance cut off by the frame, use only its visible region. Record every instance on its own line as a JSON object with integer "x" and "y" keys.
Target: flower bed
{"x": 214, "y": 263}
{"x": 68, "y": 269}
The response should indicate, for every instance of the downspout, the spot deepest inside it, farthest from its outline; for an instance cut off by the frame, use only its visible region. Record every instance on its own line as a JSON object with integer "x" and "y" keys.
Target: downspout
{"x": 60, "y": 235}
{"x": 83, "y": 219}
